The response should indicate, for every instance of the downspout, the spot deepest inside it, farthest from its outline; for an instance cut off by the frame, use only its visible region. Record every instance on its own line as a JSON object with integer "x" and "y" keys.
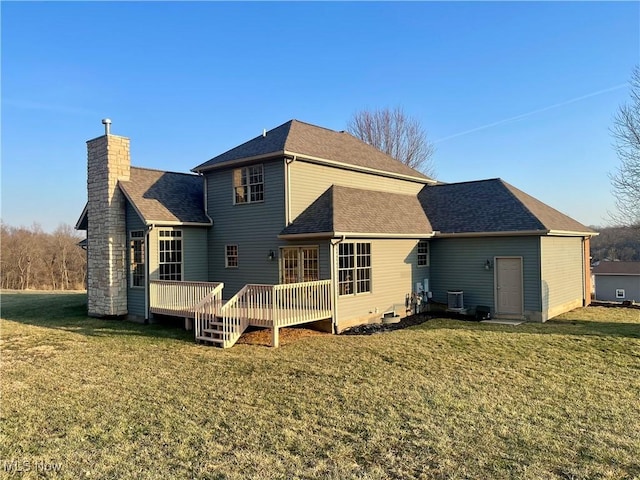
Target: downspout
{"x": 334, "y": 289}
{"x": 206, "y": 203}
{"x": 146, "y": 274}
{"x": 287, "y": 187}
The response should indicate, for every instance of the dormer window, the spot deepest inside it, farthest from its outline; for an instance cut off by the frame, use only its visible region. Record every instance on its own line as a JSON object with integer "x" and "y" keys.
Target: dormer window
{"x": 248, "y": 184}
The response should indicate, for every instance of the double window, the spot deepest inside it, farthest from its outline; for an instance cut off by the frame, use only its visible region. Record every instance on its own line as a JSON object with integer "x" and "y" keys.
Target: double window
{"x": 170, "y": 249}
{"x": 423, "y": 254}
{"x": 136, "y": 258}
{"x": 248, "y": 184}
{"x": 354, "y": 268}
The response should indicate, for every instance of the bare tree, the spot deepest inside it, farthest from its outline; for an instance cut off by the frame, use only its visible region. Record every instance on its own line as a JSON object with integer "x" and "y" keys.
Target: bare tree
{"x": 626, "y": 179}
{"x": 31, "y": 258}
{"x": 396, "y": 134}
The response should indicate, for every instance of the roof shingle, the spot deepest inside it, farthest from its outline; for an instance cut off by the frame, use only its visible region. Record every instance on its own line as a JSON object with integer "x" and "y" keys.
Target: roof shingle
{"x": 491, "y": 206}
{"x": 356, "y": 211}
{"x": 303, "y": 139}
{"x": 166, "y": 197}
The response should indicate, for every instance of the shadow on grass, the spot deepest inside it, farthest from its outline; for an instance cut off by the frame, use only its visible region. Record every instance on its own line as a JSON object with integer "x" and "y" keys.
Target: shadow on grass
{"x": 68, "y": 312}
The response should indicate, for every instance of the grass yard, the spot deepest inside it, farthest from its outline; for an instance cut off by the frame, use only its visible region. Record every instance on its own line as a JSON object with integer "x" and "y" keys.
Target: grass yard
{"x": 87, "y": 398}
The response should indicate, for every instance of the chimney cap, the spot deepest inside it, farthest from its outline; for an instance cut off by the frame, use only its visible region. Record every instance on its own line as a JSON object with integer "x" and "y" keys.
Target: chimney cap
{"x": 106, "y": 121}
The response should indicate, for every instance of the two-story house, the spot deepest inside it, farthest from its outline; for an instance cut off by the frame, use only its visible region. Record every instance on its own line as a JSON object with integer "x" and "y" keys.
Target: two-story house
{"x": 303, "y": 223}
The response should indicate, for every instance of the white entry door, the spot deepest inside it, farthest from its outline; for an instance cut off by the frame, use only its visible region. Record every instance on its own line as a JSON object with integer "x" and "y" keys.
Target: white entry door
{"x": 508, "y": 285}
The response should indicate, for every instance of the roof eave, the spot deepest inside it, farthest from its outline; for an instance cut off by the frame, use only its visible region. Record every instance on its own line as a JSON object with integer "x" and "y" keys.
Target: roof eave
{"x": 294, "y": 236}
{"x": 569, "y": 233}
{"x": 83, "y": 216}
{"x": 512, "y": 233}
{"x": 238, "y": 161}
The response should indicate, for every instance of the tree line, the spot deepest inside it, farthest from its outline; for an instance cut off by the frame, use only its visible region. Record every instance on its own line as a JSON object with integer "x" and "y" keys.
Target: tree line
{"x": 616, "y": 244}
{"x": 33, "y": 259}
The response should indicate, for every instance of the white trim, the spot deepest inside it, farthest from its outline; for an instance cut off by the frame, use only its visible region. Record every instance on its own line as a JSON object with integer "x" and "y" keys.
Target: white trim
{"x": 226, "y": 256}
{"x": 302, "y": 236}
{"x": 239, "y": 161}
{"x": 428, "y": 264}
{"x": 131, "y": 239}
{"x": 181, "y": 237}
{"x": 248, "y": 185}
{"x": 569, "y": 233}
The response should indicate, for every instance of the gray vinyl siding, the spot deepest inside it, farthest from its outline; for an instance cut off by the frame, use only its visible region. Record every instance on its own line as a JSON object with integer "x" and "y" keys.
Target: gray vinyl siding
{"x": 562, "y": 271}
{"x": 606, "y": 286}
{"x": 194, "y": 254}
{"x": 458, "y": 264}
{"x": 308, "y": 181}
{"x": 394, "y": 275}
{"x": 135, "y": 296}
{"x": 253, "y": 227}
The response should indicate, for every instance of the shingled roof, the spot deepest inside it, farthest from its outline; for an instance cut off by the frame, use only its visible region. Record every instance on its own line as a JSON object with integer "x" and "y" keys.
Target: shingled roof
{"x": 343, "y": 210}
{"x": 166, "y": 197}
{"x": 491, "y": 206}
{"x": 617, "y": 268}
{"x": 316, "y": 143}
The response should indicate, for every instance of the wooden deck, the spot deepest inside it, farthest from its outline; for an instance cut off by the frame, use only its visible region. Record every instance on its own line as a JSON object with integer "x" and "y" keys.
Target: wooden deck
{"x": 221, "y": 323}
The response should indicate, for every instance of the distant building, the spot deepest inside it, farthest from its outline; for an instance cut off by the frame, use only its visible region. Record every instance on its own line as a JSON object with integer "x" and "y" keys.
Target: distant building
{"x": 617, "y": 281}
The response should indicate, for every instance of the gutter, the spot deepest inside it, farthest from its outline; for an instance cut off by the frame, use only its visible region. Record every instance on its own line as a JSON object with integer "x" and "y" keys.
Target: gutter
{"x": 301, "y": 236}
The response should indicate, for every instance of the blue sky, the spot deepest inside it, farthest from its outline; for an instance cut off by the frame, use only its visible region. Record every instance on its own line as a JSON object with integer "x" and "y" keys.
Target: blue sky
{"x": 522, "y": 91}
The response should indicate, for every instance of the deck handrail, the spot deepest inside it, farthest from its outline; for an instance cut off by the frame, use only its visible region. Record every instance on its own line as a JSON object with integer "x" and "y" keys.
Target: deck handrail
{"x": 234, "y": 318}
{"x": 205, "y": 312}
{"x": 172, "y": 297}
{"x": 300, "y": 302}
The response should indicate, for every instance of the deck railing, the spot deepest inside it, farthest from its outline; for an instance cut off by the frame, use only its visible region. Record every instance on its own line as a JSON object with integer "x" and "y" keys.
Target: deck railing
{"x": 295, "y": 303}
{"x": 207, "y": 310}
{"x": 169, "y": 297}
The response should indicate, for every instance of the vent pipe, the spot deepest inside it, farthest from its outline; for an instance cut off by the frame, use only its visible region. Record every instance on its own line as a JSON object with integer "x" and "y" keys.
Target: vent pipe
{"x": 264, "y": 132}
{"x": 107, "y": 125}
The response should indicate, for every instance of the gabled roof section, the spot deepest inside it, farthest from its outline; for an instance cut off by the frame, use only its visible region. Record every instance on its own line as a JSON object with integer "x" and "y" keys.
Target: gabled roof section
{"x": 166, "y": 198}
{"x": 306, "y": 141}
{"x": 492, "y": 206}
{"x": 617, "y": 268}
{"x": 352, "y": 211}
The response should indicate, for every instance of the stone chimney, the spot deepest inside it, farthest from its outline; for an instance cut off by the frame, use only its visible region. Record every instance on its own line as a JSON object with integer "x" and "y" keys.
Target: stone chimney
{"x": 108, "y": 161}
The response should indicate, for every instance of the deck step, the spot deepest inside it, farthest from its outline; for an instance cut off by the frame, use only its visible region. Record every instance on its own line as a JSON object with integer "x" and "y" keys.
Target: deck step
{"x": 216, "y": 324}
{"x": 213, "y": 330}
{"x": 210, "y": 339}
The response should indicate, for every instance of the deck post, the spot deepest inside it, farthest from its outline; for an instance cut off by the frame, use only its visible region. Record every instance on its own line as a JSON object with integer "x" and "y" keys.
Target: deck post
{"x": 275, "y": 338}
{"x": 188, "y": 324}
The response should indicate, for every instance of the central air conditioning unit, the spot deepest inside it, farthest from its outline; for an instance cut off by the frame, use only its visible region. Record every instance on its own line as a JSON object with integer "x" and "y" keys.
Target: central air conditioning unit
{"x": 455, "y": 301}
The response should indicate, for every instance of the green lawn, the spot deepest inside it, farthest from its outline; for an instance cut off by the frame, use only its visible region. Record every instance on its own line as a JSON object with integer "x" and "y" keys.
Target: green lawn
{"x": 446, "y": 399}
